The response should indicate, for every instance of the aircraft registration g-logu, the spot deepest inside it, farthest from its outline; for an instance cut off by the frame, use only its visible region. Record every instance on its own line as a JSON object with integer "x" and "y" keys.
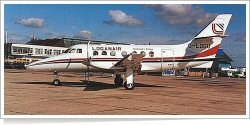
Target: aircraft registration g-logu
{"x": 133, "y": 59}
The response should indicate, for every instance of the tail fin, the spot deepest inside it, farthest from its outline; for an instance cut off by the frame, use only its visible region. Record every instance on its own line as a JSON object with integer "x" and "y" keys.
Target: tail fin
{"x": 209, "y": 39}
{"x": 205, "y": 44}
{"x": 217, "y": 27}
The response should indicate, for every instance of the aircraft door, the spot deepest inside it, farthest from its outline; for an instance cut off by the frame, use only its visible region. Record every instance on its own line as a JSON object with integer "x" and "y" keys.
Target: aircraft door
{"x": 168, "y": 59}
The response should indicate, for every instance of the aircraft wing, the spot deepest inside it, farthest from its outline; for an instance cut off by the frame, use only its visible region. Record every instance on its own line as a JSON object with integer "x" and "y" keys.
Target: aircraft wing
{"x": 130, "y": 61}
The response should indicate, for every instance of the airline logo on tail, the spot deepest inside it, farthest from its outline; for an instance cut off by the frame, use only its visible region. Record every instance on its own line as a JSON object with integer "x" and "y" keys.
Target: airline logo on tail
{"x": 218, "y": 28}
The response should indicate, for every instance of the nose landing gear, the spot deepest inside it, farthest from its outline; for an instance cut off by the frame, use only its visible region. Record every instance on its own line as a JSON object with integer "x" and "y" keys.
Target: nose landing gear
{"x": 56, "y": 81}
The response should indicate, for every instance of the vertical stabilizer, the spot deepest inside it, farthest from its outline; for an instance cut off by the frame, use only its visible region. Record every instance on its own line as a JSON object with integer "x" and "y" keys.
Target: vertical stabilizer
{"x": 217, "y": 27}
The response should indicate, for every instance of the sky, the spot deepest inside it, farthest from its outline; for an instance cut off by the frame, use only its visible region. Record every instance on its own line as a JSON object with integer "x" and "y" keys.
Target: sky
{"x": 128, "y": 23}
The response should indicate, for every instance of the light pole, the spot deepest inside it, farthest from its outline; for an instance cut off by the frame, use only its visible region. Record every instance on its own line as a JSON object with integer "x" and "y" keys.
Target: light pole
{"x": 6, "y": 36}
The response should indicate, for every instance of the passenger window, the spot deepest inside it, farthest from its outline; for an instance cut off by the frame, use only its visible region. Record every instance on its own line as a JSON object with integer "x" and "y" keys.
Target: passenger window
{"x": 124, "y": 53}
{"x": 104, "y": 53}
{"x": 112, "y": 53}
{"x": 95, "y": 53}
{"x": 79, "y": 51}
{"x": 151, "y": 54}
{"x": 73, "y": 51}
{"x": 143, "y": 53}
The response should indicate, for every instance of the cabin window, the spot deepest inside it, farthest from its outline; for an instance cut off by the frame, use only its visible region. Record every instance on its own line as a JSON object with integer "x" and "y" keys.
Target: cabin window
{"x": 95, "y": 53}
{"x": 124, "y": 53}
{"x": 151, "y": 54}
{"x": 134, "y": 52}
{"x": 104, "y": 52}
{"x": 112, "y": 53}
{"x": 143, "y": 53}
{"x": 79, "y": 51}
{"x": 73, "y": 51}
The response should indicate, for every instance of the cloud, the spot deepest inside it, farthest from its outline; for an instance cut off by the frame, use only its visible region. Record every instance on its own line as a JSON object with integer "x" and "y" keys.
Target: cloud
{"x": 121, "y": 18}
{"x": 240, "y": 37}
{"x": 31, "y": 22}
{"x": 84, "y": 35}
{"x": 182, "y": 14}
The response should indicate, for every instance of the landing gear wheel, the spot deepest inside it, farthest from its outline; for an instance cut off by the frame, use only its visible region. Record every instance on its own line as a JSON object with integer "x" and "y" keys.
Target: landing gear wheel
{"x": 57, "y": 82}
{"x": 129, "y": 86}
{"x": 118, "y": 81}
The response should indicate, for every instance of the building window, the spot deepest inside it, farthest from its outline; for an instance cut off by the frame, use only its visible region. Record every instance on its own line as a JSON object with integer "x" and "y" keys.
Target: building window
{"x": 124, "y": 53}
{"x": 104, "y": 52}
{"x": 112, "y": 53}
{"x": 56, "y": 52}
{"x": 143, "y": 53}
{"x": 151, "y": 54}
{"x": 95, "y": 53}
{"x": 50, "y": 51}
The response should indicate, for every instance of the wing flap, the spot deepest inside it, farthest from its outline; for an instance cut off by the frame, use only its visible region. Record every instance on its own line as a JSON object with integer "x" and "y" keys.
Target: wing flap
{"x": 132, "y": 61}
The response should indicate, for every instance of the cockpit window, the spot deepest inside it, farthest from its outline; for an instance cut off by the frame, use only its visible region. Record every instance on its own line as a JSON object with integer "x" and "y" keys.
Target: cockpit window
{"x": 66, "y": 51}
{"x": 73, "y": 51}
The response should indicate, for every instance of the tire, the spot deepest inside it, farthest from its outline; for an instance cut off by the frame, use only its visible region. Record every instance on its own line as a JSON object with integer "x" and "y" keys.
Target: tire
{"x": 57, "y": 82}
{"x": 129, "y": 87}
{"x": 118, "y": 81}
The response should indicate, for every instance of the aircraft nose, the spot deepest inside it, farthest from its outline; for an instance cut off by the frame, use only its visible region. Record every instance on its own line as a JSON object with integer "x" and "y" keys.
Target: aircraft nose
{"x": 27, "y": 66}
{"x": 30, "y": 66}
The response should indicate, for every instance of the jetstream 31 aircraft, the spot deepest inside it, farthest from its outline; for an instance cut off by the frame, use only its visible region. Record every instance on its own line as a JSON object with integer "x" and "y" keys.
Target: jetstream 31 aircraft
{"x": 132, "y": 59}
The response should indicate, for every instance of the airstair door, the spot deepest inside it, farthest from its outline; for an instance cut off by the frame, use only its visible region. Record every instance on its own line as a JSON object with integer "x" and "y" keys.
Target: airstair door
{"x": 168, "y": 59}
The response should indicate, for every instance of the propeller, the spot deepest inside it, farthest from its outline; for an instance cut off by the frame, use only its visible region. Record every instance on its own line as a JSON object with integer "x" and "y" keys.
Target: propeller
{"x": 87, "y": 62}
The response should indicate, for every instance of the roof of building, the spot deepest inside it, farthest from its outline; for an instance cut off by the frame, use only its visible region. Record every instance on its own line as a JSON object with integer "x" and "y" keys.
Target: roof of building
{"x": 223, "y": 56}
{"x": 66, "y": 42}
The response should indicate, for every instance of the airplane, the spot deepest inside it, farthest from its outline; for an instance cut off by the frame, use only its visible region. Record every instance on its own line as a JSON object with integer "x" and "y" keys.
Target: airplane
{"x": 133, "y": 59}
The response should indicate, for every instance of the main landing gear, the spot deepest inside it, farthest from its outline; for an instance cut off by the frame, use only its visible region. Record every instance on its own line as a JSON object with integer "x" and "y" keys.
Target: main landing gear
{"x": 129, "y": 83}
{"x": 118, "y": 80}
{"x": 56, "y": 81}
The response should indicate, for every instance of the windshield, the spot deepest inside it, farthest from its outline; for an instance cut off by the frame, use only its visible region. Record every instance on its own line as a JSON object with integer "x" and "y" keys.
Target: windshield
{"x": 66, "y": 51}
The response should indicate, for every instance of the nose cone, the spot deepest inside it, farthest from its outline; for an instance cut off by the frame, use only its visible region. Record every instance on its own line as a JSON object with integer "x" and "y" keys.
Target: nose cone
{"x": 26, "y": 66}
{"x": 31, "y": 66}
{"x": 47, "y": 64}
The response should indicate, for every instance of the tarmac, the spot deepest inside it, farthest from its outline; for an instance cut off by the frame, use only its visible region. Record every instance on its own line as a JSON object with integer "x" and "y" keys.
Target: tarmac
{"x": 31, "y": 93}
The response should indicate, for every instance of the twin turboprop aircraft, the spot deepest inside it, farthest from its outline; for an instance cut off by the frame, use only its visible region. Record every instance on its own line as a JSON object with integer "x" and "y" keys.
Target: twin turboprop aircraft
{"x": 133, "y": 59}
